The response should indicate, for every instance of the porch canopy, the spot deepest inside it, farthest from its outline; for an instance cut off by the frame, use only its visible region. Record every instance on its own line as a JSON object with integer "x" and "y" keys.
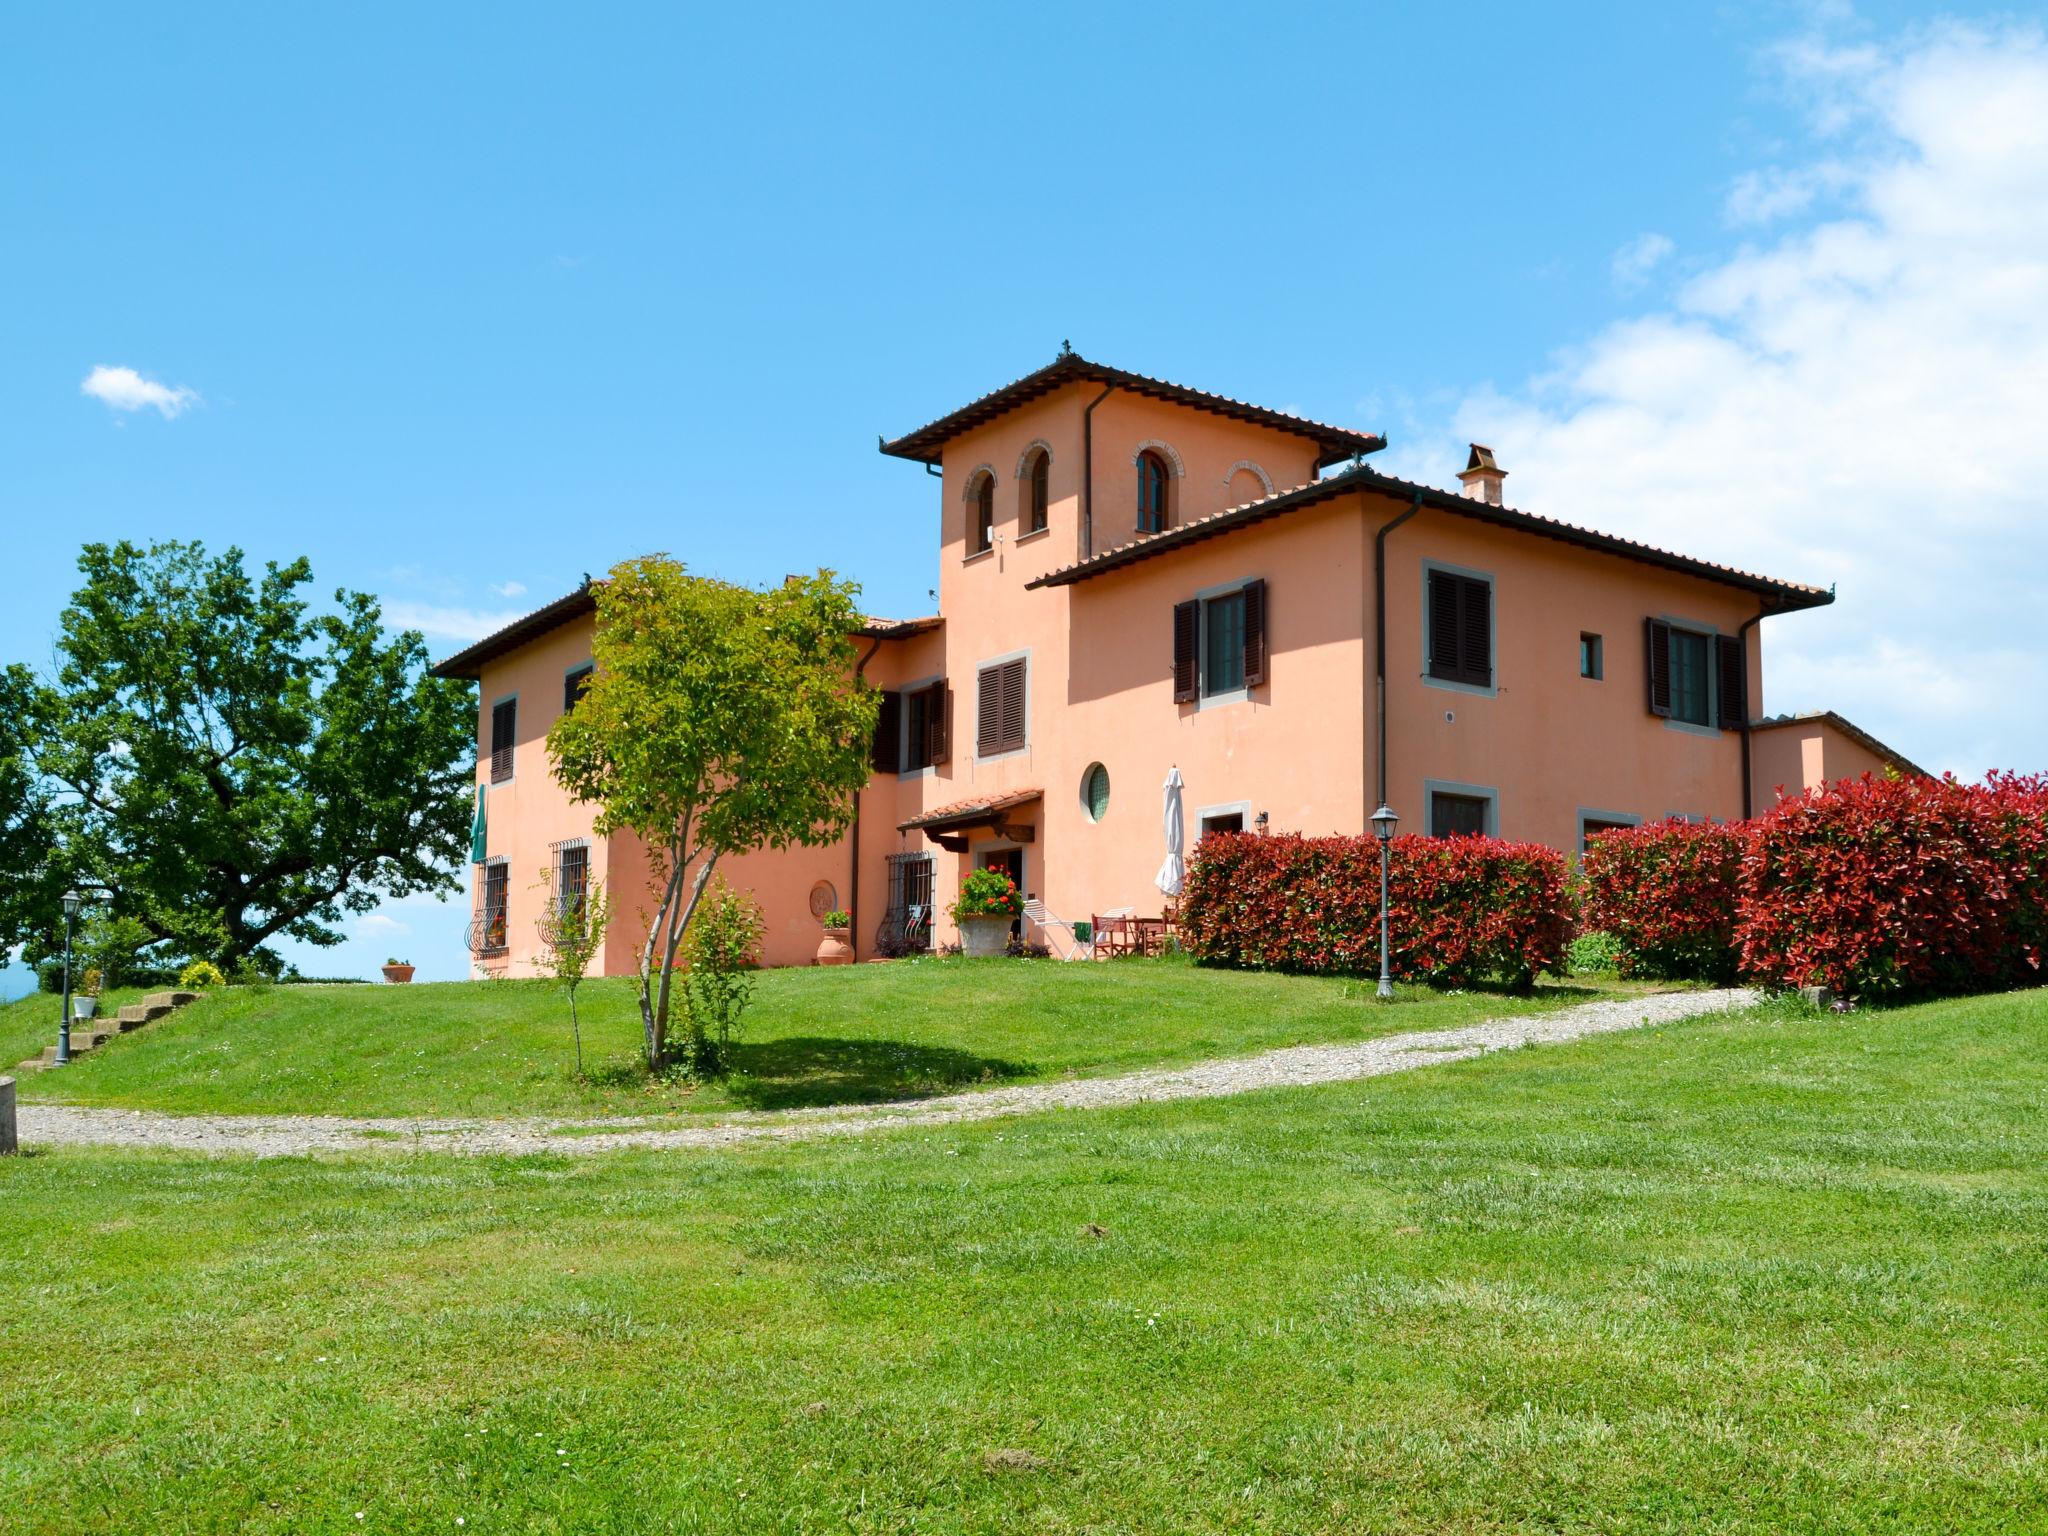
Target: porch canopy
{"x": 951, "y": 825}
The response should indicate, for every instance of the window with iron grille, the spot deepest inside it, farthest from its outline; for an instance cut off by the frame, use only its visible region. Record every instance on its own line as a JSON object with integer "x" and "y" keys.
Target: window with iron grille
{"x": 504, "y": 730}
{"x": 495, "y": 915}
{"x": 907, "y": 924}
{"x": 572, "y": 877}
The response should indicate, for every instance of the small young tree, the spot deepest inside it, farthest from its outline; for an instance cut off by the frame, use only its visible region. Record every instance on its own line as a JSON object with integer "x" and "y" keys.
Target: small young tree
{"x": 719, "y": 720}
{"x": 571, "y": 933}
{"x": 721, "y": 949}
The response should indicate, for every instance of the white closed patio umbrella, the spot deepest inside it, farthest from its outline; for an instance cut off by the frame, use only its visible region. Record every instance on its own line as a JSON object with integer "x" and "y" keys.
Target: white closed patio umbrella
{"x": 1173, "y": 873}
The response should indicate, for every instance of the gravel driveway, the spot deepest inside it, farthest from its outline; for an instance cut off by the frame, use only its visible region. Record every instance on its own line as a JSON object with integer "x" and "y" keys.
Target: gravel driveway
{"x": 1294, "y": 1066}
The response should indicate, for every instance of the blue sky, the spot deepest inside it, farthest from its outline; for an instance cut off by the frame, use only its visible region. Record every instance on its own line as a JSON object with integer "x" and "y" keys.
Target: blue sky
{"x": 461, "y": 303}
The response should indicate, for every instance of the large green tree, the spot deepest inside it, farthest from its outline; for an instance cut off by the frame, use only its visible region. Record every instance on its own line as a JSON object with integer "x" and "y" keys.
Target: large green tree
{"x": 234, "y": 767}
{"x": 28, "y": 875}
{"x": 719, "y": 720}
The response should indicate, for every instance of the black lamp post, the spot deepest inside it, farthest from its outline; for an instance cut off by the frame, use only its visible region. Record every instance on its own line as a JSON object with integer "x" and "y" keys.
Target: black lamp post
{"x": 71, "y": 904}
{"x": 1383, "y": 823}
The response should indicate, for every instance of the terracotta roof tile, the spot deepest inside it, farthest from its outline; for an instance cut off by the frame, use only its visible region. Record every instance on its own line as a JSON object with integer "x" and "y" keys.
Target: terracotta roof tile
{"x": 1361, "y": 477}
{"x": 969, "y": 810}
{"x": 1334, "y": 443}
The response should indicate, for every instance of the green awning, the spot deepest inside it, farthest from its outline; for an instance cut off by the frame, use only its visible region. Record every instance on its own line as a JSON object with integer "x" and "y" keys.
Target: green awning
{"x": 477, "y": 844}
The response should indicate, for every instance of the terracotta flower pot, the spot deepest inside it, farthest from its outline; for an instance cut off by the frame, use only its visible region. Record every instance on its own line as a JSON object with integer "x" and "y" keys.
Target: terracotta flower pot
{"x": 398, "y": 974}
{"x": 836, "y": 947}
{"x": 981, "y": 937}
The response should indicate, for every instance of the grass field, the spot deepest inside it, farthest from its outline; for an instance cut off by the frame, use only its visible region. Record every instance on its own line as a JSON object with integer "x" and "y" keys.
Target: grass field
{"x": 850, "y": 1035}
{"x": 1772, "y": 1273}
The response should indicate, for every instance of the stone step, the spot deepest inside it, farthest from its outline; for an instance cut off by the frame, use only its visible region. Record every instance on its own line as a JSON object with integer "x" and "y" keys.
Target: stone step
{"x": 135, "y": 1015}
{"x": 169, "y": 1000}
{"x": 33, "y": 1064}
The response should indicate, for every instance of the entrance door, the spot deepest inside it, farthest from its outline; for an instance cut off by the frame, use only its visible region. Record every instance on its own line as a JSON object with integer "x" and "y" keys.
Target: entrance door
{"x": 1011, "y": 862}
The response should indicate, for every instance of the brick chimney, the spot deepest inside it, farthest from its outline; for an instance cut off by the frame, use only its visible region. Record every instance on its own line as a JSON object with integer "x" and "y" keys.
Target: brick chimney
{"x": 1481, "y": 477}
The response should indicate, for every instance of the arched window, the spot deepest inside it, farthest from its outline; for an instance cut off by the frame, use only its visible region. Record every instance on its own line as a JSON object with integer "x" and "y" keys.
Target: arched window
{"x": 1038, "y": 492}
{"x": 981, "y": 535}
{"x": 1152, "y": 482}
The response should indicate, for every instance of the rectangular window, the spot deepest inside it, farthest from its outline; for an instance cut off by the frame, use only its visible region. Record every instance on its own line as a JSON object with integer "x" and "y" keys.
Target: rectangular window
{"x": 1591, "y": 663}
{"x": 1229, "y": 821}
{"x": 1456, "y": 815}
{"x": 999, "y": 723}
{"x": 1219, "y": 643}
{"x": 573, "y": 686}
{"x": 572, "y": 877}
{"x": 504, "y": 729}
{"x": 926, "y": 722}
{"x": 1591, "y": 828}
{"x": 1460, "y": 624}
{"x": 494, "y": 917}
{"x": 907, "y": 925}
{"x": 1696, "y": 676}
{"x": 1692, "y": 687}
{"x": 1223, "y": 644}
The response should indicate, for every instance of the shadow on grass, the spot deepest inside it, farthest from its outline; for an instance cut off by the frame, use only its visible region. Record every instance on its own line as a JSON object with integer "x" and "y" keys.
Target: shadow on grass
{"x": 810, "y": 1071}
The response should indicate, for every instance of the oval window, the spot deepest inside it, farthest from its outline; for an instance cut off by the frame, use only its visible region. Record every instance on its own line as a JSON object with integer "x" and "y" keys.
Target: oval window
{"x": 1095, "y": 791}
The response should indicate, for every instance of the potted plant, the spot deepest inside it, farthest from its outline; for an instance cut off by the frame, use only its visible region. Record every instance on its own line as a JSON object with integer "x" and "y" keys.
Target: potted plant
{"x": 85, "y": 1002}
{"x": 836, "y": 948}
{"x": 988, "y": 903}
{"x": 398, "y": 971}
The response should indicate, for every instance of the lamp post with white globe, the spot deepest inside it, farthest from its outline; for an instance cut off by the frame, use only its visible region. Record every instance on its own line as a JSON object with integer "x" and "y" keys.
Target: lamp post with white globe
{"x": 1383, "y": 823}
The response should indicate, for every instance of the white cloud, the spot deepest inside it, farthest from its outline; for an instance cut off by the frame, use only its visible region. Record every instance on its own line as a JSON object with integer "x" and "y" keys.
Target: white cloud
{"x": 444, "y": 623}
{"x": 123, "y": 389}
{"x": 1859, "y": 399}
{"x": 377, "y": 926}
{"x": 1634, "y": 262}
{"x": 509, "y": 589}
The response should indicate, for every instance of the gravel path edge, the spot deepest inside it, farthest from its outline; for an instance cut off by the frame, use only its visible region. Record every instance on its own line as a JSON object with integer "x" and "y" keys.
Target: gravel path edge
{"x": 1288, "y": 1067}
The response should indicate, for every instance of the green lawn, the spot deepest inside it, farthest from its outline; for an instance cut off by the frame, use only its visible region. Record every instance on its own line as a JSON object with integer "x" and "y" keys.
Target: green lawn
{"x": 30, "y": 1023}
{"x": 813, "y": 1036}
{"x": 1776, "y": 1273}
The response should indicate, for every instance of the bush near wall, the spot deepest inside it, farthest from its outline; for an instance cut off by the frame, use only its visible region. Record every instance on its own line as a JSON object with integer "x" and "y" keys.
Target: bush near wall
{"x": 1884, "y": 887}
{"x": 1667, "y": 893}
{"x": 1462, "y": 909}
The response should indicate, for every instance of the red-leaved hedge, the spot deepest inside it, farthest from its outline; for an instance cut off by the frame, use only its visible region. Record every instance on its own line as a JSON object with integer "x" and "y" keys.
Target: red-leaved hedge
{"x": 1461, "y": 909}
{"x": 1667, "y": 893}
{"x": 1882, "y": 887}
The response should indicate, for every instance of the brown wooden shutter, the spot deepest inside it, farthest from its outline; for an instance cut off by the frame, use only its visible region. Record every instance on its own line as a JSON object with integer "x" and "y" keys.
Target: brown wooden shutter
{"x": 988, "y": 711}
{"x": 1475, "y": 630}
{"x": 888, "y": 733}
{"x": 1254, "y": 633}
{"x": 1732, "y": 682}
{"x": 1187, "y": 630}
{"x": 1443, "y": 626}
{"x": 1657, "y": 639}
{"x": 1461, "y": 628}
{"x": 504, "y": 735}
{"x": 1013, "y": 706}
{"x": 938, "y": 724}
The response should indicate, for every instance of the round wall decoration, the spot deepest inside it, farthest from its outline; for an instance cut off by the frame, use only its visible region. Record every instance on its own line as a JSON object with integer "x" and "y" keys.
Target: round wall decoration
{"x": 824, "y": 898}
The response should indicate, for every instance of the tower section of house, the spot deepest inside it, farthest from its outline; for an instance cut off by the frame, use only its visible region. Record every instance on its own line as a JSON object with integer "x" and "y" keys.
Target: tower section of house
{"x": 1136, "y": 577}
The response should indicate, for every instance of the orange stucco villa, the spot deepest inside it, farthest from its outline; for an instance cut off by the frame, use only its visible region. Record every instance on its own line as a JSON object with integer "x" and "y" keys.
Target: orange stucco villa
{"x": 1136, "y": 576}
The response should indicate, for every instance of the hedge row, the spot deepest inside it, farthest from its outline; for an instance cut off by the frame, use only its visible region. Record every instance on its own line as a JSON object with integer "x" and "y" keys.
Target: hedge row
{"x": 1461, "y": 909}
{"x": 1872, "y": 887}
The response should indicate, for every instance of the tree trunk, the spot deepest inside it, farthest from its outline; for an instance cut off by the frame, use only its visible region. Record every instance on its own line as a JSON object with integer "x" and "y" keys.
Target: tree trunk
{"x": 654, "y": 1032}
{"x": 675, "y": 938}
